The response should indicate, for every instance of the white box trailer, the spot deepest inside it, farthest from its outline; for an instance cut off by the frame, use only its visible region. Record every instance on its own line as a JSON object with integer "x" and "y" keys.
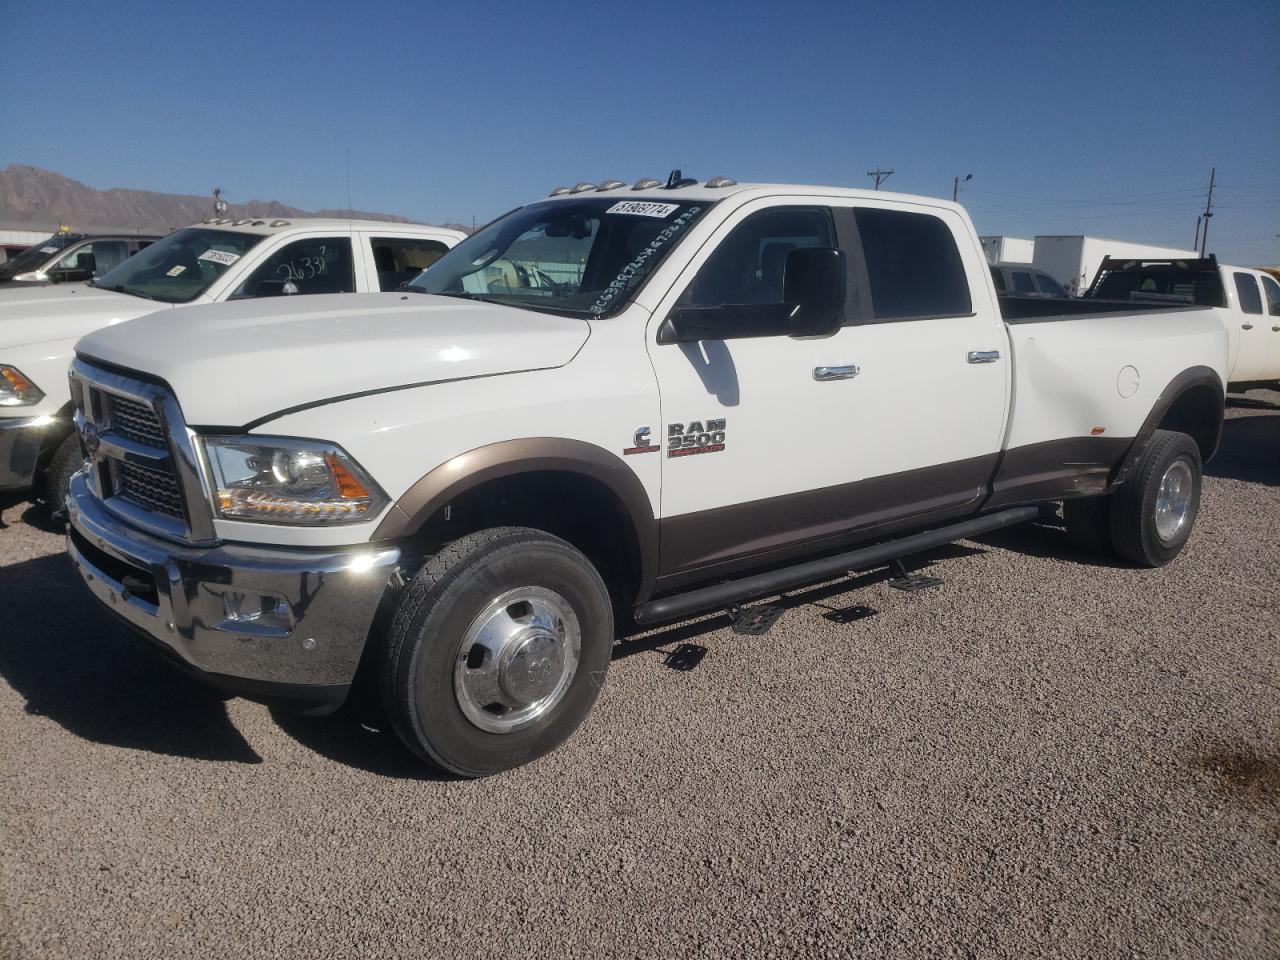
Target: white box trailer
{"x": 1007, "y": 249}
{"x": 1073, "y": 261}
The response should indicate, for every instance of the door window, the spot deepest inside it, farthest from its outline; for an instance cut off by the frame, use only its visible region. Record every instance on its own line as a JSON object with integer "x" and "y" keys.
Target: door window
{"x": 93, "y": 258}
{"x": 1272, "y": 290}
{"x": 913, "y": 266}
{"x": 1247, "y": 291}
{"x": 400, "y": 259}
{"x": 310, "y": 266}
{"x": 1049, "y": 286}
{"x": 748, "y": 266}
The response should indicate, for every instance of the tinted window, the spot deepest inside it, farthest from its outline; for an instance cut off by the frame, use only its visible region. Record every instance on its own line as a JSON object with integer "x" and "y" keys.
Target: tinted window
{"x": 1195, "y": 282}
{"x": 1272, "y": 290}
{"x": 1247, "y": 291}
{"x": 313, "y": 265}
{"x": 913, "y": 266}
{"x": 1049, "y": 286}
{"x": 998, "y": 276}
{"x": 749, "y": 265}
{"x": 1022, "y": 282}
{"x": 182, "y": 266}
{"x": 400, "y": 259}
{"x": 581, "y": 256}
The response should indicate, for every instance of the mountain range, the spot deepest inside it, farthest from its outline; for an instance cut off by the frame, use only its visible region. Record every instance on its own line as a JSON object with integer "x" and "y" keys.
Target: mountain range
{"x": 36, "y": 199}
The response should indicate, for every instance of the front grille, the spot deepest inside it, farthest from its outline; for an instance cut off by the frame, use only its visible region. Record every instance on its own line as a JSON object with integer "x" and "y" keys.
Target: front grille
{"x": 156, "y": 490}
{"x": 137, "y": 422}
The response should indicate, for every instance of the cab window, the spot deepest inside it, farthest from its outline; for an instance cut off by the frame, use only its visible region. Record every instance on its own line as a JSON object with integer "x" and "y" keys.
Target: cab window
{"x": 1049, "y": 286}
{"x": 400, "y": 259}
{"x": 310, "y": 266}
{"x": 92, "y": 258}
{"x": 913, "y": 266}
{"x": 749, "y": 265}
{"x": 1272, "y": 290}
{"x": 1022, "y": 282}
{"x": 1247, "y": 291}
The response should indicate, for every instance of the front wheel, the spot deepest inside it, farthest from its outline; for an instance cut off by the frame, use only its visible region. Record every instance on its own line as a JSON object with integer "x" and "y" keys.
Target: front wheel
{"x": 1152, "y": 513}
{"x": 497, "y": 651}
{"x": 66, "y": 460}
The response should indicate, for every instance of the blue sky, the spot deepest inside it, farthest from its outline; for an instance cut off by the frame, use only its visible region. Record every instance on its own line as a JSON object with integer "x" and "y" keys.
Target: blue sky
{"x": 1100, "y": 118}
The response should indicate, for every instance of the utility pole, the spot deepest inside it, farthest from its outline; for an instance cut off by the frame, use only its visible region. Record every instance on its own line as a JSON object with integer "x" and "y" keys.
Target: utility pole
{"x": 1208, "y": 212}
{"x": 955, "y": 188}
{"x": 1196, "y": 245}
{"x": 879, "y": 175}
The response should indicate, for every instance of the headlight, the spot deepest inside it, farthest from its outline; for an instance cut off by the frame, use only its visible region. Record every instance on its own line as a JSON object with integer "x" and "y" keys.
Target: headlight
{"x": 16, "y": 390}
{"x": 281, "y": 480}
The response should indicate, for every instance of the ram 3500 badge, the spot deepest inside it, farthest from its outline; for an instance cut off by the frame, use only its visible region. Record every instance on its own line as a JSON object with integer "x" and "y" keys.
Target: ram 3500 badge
{"x": 446, "y": 483}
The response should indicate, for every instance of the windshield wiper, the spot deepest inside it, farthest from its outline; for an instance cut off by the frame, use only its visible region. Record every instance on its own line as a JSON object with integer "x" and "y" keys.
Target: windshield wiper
{"x": 119, "y": 288}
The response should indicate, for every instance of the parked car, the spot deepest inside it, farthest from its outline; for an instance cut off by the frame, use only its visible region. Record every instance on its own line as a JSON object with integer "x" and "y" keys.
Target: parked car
{"x": 70, "y": 257}
{"x": 1250, "y": 302}
{"x": 217, "y": 260}
{"x": 608, "y": 406}
{"x": 1024, "y": 280}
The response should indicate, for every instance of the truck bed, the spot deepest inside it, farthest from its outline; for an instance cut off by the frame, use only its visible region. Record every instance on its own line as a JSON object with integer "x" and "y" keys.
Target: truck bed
{"x": 1043, "y": 309}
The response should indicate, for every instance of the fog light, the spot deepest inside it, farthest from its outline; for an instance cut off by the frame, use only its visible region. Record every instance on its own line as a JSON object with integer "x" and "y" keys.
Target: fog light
{"x": 256, "y": 614}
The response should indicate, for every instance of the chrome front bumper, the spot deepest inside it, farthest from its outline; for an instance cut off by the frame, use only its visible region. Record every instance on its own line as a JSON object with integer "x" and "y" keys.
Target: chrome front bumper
{"x": 21, "y": 439}
{"x": 266, "y": 623}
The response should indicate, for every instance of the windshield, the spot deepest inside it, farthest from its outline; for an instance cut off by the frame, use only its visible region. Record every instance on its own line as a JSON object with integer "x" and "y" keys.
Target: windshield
{"x": 582, "y": 257}
{"x": 33, "y": 258}
{"x": 182, "y": 266}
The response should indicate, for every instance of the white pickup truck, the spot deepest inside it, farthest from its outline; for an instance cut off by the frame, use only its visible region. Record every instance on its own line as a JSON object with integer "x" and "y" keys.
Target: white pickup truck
{"x": 611, "y": 406}
{"x": 1250, "y": 302}
{"x": 220, "y": 259}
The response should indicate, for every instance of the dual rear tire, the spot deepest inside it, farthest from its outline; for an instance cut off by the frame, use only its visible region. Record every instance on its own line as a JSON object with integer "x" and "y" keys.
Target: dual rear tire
{"x": 1149, "y": 519}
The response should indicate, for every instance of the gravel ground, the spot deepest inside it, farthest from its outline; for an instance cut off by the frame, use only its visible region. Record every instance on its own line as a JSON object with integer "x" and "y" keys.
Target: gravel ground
{"x": 1046, "y": 756}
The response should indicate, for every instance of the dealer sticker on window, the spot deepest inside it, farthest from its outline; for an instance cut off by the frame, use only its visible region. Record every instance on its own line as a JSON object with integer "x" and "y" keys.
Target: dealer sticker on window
{"x": 218, "y": 256}
{"x": 643, "y": 208}
{"x": 177, "y": 271}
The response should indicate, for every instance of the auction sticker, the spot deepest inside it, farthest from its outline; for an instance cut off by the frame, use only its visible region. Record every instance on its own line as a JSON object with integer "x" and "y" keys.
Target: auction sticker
{"x": 175, "y": 271}
{"x": 218, "y": 256}
{"x": 48, "y": 249}
{"x": 644, "y": 208}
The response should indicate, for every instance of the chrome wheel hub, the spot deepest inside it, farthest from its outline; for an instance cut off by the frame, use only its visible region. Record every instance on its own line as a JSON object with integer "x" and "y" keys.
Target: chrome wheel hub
{"x": 517, "y": 659}
{"x": 1173, "y": 500}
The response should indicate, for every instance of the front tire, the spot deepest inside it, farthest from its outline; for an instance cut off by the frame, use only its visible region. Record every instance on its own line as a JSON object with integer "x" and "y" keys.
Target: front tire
{"x": 1152, "y": 513}
{"x": 497, "y": 651}
{"x": 64, "y": 463}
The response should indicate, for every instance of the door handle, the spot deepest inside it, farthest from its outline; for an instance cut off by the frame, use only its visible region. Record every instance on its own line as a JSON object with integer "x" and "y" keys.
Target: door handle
{"x": 1246, "y": 326}
{"x": 846, "y": 372}
{"x": 984, "y": 356}
{"x": 1275, "y": 329}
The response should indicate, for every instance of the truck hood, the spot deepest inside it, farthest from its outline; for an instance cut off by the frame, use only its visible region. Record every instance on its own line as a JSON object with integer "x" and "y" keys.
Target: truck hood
{"x": 36, "y": 314}
{"x": 236, "y": 363}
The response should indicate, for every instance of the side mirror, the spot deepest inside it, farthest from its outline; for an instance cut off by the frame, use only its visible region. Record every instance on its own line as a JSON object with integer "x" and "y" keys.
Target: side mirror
{"x": 88, "y": 265}
{"x": 815, "y": 281}
{"x": 814, "y": 287}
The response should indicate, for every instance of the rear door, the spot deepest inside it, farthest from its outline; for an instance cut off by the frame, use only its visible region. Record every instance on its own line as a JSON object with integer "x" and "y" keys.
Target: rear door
{"x": 776, "y": 443}
{"x": 1253, "y": 330}
{"x": 1271, "y": 294}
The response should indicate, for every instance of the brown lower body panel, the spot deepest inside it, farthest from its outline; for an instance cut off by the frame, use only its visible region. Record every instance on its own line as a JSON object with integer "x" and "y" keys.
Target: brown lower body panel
{"x": 701, "y": 546}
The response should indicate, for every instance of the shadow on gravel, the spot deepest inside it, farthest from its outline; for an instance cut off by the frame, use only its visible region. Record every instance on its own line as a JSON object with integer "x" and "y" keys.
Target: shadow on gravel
{"x": 358, "y": 735}
{"x": 1250, "y": 450}
{"x": 8, "y": 500}
{"x": 74, "y": 665}
{"x": 1047, "y": 540}
{"x": 637, "y": 640}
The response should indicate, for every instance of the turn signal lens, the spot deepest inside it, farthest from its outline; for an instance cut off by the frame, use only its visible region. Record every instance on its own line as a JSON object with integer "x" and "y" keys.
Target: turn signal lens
{"x": 16, "y": 390}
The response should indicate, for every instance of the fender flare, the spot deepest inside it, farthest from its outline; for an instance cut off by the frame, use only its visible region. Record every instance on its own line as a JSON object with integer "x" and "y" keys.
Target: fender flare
{"x": 1188, "y": 379}
{"x": 510, "y": 458}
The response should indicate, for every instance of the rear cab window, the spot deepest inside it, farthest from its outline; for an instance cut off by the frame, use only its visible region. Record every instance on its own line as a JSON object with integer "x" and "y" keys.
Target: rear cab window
{"x": 1022, "y": 282}
{"x": 399, "y": 259}
{"x": 914, "y": 269}
{"x": 1247, "y": 292}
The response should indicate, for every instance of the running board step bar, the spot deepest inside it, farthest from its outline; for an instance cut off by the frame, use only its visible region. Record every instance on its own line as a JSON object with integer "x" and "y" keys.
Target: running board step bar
{"x": 732, "y": 592}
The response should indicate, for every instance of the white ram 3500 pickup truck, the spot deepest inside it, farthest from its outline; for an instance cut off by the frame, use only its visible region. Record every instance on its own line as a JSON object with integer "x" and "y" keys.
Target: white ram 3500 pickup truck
{"x": 220, "y": 259}
{"x": 610, "y": 405}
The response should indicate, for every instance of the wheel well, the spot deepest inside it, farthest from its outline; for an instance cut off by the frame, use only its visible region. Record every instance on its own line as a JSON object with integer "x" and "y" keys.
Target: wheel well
{"x": 577, "y": 508}
{"x": 1197, "y": 412}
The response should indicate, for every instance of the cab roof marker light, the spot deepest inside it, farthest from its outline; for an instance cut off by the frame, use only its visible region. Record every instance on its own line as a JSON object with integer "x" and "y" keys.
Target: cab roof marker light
{"x": 716, "y": 182}
{"x": 582, "y": 187}
{"x": 241, "y": 222}
{"x": 646, "y": 183}
{"x": 559, "y": 192}
{"x": 278, "y": 223}
{"x": 610, "y": 185}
